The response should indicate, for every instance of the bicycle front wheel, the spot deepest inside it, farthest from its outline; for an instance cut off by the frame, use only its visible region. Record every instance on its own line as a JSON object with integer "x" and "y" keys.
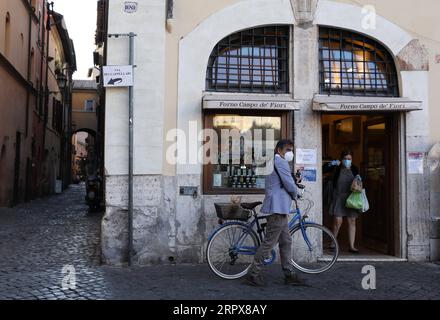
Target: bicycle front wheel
{"x": 309, "y": 243}
{"x": 231, "y": 250}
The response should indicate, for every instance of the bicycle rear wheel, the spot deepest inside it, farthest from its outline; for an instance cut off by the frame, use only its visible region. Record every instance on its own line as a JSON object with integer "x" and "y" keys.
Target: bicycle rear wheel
{"x": 309, "y": 244}
{"x": 231, "y": 250}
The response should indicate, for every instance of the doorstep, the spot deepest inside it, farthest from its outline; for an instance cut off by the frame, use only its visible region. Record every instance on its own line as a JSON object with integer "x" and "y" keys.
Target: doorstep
{"x": 364, "y": 258}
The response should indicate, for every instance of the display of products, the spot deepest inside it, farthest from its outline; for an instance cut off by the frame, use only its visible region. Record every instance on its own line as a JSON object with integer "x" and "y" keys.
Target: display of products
{"x": 241, "y": 177}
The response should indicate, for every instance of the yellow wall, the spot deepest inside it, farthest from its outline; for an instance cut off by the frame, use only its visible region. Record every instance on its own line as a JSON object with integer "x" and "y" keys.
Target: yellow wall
{"x": 80, "y": 118}
{"x": 80, "y": 96}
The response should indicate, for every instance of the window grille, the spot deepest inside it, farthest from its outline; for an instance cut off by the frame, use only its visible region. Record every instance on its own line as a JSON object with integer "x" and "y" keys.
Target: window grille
{"x": 253, "y": 60}
{"x": 353, "y": 64}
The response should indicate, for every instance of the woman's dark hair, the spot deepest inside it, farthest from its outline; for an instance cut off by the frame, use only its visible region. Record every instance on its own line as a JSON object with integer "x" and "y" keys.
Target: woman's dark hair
{"x": 283, "y": 143}
{"x": 346, "y": 152}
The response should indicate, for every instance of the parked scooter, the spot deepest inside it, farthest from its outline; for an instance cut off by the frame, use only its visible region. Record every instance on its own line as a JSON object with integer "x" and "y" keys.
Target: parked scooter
{"x": 94, "y": 192}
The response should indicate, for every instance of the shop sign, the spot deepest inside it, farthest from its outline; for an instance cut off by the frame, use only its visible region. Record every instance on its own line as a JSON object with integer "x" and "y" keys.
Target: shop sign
{"x": 370, "y": 106}
{"x": 350, "y": 104}
{"x": 250, "y": 104}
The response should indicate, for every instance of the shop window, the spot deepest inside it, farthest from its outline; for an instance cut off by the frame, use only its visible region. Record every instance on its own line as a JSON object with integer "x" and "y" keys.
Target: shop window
{"x": 353, "y": 64}
{"x": 242, "y": 158}
{"x": 253, "y": 60}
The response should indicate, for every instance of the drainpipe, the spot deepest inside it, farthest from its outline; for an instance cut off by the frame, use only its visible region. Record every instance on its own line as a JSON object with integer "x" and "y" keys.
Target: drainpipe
{"x": 28, "y": 73}
{"x": 46, "y": 91}
{"x": 42, "y": 32}
{"x": 40, "y": 96}
{"x": 130, "y": 166}
{"x": 131, "y": 37}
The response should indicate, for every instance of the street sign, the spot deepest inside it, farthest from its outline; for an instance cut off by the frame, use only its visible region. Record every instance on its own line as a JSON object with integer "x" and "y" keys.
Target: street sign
{"x": 118, "y": 76}
{"x": 130, "y": 6}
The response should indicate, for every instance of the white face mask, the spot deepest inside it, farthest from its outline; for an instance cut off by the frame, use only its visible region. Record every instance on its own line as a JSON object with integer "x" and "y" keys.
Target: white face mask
{"x": 288, "y": 156}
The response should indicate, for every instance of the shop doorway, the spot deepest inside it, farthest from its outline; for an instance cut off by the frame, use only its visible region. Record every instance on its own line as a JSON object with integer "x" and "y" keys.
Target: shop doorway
{"x": 373, "y": 138}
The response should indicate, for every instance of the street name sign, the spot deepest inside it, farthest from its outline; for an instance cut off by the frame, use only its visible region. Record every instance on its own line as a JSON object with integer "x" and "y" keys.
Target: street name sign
{"x": 118, "y": 76}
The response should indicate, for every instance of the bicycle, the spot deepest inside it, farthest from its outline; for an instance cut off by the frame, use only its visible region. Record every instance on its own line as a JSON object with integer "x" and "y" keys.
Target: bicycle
{"x": 233, "y": 244}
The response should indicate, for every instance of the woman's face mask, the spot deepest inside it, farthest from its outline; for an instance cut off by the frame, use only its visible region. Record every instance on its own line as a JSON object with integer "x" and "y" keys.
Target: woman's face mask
{"x": 289, "y": 156}
{"x": 346, "y": 163}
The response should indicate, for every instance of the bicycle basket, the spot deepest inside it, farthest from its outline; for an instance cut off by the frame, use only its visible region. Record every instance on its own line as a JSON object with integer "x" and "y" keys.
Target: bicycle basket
{"x": 228, "y": 211}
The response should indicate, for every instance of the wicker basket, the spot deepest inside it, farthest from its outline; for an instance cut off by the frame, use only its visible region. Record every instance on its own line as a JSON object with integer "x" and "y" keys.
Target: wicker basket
{"x": 228, "y": 211}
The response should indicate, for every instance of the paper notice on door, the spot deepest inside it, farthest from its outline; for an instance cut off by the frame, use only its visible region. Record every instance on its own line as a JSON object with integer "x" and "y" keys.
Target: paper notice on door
{"x": 415, "y": 162}
{"x": 217, "y": 180}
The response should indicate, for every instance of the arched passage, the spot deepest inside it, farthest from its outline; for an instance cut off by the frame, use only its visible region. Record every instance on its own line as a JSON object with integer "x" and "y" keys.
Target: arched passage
{"x": 84, "y": 155}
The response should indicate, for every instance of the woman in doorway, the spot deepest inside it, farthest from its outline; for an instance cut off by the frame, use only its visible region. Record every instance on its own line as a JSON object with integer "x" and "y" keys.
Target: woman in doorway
{"x": 343, "y": 177}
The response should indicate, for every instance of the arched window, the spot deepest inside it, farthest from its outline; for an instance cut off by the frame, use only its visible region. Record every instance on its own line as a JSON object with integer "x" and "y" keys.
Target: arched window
{"x": 7, "y": 33}
{"x": 253, "y": 60}
{"x": 353, "y": 64}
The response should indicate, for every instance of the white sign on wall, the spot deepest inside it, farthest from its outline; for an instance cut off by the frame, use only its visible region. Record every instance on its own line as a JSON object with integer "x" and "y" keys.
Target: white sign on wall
{"x": 118, "y": 76}
{"x": 415, "y": 162}
{"x": 306, "y": 156}
{"x": 130, "y": 6}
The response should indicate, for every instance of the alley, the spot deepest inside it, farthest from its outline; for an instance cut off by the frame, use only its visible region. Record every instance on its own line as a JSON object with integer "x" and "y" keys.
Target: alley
{"x": 38, "y": 239}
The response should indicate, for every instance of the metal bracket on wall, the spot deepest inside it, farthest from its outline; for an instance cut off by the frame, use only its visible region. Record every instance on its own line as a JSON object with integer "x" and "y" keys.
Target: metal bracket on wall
{"x": 189, "y": 191}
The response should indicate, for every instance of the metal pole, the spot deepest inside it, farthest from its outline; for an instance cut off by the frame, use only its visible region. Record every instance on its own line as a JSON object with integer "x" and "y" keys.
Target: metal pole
{"x": 130, "y": 158}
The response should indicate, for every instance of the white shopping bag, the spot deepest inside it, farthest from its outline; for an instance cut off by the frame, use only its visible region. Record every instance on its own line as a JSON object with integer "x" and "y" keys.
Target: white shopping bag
{"x": 365, "y": 204}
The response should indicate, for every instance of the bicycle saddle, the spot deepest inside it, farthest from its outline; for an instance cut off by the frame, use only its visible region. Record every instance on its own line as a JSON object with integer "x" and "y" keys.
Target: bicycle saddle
{"x": 251, "y": 205}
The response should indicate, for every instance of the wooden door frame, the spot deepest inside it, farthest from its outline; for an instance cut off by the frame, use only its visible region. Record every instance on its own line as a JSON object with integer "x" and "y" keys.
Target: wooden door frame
{"x": 392, "y": 165}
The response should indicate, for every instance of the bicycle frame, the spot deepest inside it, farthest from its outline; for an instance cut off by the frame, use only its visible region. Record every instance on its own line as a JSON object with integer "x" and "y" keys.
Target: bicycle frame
{"x": 297, "y": 220}
{"x": 301, "y": 222}
{"x": 235, "y": 232}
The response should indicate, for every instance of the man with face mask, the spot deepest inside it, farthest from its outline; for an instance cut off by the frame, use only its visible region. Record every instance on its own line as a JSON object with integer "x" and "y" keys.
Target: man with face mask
{"x": 280, "y": 190}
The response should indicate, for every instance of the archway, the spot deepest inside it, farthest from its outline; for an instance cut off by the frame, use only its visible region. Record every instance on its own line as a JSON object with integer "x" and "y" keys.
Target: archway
{"x": 84, "y": 154}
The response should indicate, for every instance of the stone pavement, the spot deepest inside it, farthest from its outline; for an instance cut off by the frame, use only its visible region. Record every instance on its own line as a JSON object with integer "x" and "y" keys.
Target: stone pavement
{"x": 38, "y": 239}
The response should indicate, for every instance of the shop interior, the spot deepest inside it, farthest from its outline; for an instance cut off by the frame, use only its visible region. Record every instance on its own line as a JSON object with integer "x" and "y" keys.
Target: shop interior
{"x": 373, "y": 141}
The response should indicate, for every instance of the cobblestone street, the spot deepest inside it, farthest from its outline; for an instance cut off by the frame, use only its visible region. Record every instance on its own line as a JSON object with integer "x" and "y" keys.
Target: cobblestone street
{"x": 39, "y": 238}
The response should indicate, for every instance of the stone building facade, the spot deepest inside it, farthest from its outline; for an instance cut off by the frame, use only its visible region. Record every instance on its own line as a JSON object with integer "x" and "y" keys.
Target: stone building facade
{"x": 388, "y": 88}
